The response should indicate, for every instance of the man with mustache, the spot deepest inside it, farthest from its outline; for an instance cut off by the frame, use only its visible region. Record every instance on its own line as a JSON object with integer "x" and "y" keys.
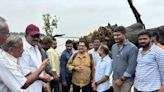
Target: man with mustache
{"x": 31, "y": 58}
{"x": 149, "y": 76}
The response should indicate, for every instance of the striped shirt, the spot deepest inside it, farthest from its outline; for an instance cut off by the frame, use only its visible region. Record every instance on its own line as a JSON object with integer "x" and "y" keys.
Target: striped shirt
{"x": 150, "y": 69}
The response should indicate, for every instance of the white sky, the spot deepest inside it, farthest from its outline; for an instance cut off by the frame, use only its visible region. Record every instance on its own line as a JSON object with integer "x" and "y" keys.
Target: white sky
{"x": 79, "y": 17}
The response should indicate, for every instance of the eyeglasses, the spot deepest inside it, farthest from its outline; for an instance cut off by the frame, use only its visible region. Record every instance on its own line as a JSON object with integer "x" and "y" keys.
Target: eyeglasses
{"x": 35, "y": 36}
{"x": 5, "y": 33}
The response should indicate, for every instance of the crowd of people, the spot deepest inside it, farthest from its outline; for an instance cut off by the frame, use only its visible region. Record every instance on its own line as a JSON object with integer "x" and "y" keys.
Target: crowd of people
{"x": 35, "y": 65}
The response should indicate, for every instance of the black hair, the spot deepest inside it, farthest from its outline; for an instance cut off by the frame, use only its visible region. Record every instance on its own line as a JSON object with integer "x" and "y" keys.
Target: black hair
{"x": 69, "y": 42}
{"x": 105, "y": 49}
{"x": 156, "y": 35}
{"x": 82, "y": 41}
{"x": 120, "y": 29}
{"x": 145, "y": 32}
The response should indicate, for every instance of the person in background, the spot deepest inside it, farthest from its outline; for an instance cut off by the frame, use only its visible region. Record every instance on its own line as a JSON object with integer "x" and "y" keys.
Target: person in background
{"x": 90, "y": 46}
{"x": 44, "y": 45}
{"x": 155, "y": 40}
{"x": 64, "y": 73}
{"x": 31, "y": 58}
{"x": 103, "y": 71}
{"x": 54, "y": 58}
{"x": 95, "y": 54}
{"x": 12, "y": 79}
{"x": 149, "y": 76}
{"x": 124, "y": 55}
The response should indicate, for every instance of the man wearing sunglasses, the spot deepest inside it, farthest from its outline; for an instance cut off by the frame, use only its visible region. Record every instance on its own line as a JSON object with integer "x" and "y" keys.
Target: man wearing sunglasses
{"x": 4, "y": 31}
{"x": 31, "y": 58}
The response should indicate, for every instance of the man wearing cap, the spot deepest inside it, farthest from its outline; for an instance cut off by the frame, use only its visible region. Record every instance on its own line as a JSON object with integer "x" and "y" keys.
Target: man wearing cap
{"x": 31, "y": 58}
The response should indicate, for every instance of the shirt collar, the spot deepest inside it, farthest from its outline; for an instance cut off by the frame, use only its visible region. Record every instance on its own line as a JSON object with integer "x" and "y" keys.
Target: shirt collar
{"x": 7, "y": 55}
{"x": 82, "y": 55}
{"x": 151, "y": 48}
{"x": 105, "y": 58}
{"x": 28, "y": 45}
{"x": 126, "y": 42}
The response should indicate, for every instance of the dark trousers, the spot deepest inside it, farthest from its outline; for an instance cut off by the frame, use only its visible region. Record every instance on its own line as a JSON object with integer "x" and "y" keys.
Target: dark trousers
{"x": 109, "y": 90}
{"x": 67, "y": 88}
{"x": 54, "y": 86}
{"x": 135, "y": 90}
{"x": 86, "y": 88}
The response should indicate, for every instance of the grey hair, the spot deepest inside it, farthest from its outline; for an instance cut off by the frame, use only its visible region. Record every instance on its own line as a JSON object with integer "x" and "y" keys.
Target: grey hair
{"x": 2, "y": 23}
{"x": 11, "y": 42}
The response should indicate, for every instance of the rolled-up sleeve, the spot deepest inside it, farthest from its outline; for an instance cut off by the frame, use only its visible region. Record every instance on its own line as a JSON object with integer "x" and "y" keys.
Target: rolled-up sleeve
{"x": 132, "y": 57}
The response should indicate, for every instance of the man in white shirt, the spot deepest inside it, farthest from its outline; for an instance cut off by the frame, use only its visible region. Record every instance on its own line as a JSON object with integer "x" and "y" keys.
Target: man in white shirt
{"x": 95, "y": 54}
{"x": 103, "y": 71}
{"x": 11, "y": 77}
{"x": 31, "y": 58}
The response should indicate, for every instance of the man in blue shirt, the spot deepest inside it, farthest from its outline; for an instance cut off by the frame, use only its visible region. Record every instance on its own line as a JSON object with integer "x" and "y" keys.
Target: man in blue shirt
{"x": 103, "y": 70}
{"x": 124, "y": 54}
{"x": 65, "y": 74}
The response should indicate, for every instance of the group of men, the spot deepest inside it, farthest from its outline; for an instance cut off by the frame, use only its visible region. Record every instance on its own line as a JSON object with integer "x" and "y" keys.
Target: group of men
{"x": 26, "y": 64}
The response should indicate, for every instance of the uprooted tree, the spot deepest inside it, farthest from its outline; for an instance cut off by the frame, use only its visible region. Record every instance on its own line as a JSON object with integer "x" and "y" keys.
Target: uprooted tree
{"x": 105, "y": 32}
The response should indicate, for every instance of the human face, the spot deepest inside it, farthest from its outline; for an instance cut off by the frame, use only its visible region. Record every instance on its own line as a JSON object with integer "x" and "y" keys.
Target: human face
{"x": 69, "y": 46}
{"x": 19, "y": 50}
{"x": 118, "y": 37}
{"x": 96, "y": 43}
{"x": 100, "y": 51}
{"x": 81, "y": 47}
{"x": 4, "y": 34}
{"x": 91, "y": 45}
{"x": 144, "y": 41}
{"x": 54, "y": 44}
{"x": 33, "y": 39}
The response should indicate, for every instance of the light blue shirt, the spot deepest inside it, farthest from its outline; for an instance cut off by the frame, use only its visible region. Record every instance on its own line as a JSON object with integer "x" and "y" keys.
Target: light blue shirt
{"x": 150, "y": 69}
{"x": 103, "y": 68}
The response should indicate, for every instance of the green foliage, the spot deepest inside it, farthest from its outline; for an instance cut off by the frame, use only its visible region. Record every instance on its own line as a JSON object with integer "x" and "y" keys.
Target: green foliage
{"x": 50, "y": 23}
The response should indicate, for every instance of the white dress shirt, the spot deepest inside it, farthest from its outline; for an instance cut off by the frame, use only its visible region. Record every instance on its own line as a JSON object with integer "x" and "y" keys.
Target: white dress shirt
{"x": 103, "y": 68}
{"x": 11, "y": 74}
{"x": 30, "y": 62}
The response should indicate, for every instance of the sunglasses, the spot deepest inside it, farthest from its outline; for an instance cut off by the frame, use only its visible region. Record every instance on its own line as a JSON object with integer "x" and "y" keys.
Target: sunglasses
{"x": 5, "y": 33}
{"x": 35, "y": 36}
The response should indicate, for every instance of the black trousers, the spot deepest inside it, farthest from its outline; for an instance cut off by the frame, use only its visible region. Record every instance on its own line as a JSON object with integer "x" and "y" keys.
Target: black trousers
{"x": 67, "y": 88}
{"x": 54, "y": 84}
{"x": 86, "y": 88}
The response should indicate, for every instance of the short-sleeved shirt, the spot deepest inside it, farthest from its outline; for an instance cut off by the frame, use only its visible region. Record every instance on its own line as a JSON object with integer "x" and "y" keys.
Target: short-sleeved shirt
{"x": 103, "y": 68}
{"x": 11, "y": 75}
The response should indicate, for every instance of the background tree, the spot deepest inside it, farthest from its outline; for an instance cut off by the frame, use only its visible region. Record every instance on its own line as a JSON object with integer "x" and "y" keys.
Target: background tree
{"x": 50, "y": 23}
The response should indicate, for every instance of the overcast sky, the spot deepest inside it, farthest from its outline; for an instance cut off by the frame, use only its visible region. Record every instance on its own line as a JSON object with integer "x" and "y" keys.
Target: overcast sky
{"x": 80, "y": 17}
